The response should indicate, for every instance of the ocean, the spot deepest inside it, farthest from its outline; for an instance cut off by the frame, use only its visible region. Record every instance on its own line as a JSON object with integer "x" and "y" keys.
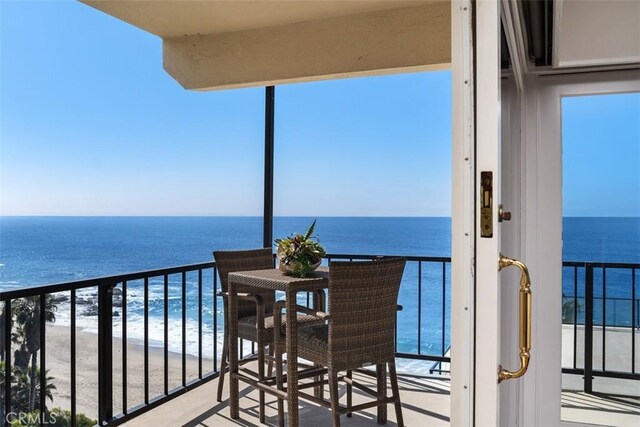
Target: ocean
{"x": 43, "y": 250}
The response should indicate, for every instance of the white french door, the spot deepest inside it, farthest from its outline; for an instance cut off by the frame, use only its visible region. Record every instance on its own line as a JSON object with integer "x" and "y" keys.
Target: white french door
{"x": 542, "y": 248}
{"x": 487, "y": 303}
{"x": 476, "y": 234}
{"x": 487, "y": 184}
{"x": 507, "y": 151}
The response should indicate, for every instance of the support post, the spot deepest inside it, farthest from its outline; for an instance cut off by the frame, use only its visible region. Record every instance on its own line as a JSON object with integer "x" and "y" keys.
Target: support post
{"x": 269, "y": 121}
{"x": 105, "y": 353}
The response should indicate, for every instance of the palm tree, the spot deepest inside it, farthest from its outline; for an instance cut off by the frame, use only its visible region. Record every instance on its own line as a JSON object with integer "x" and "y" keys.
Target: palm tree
{"x": 3, "y": 388}
{"x": 21, "y": 387}
{"x": 27, "y": 389}
{"x": 28, "y": 318}
{"x": 2, "y": 323}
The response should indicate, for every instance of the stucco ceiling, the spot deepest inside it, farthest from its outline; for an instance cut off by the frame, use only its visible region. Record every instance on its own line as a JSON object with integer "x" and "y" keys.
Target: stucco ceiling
{"x": 169, "y": 19}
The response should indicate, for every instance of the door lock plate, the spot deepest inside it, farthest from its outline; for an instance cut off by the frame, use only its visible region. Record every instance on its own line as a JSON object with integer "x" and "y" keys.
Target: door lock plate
{"x": 486, "y": 204}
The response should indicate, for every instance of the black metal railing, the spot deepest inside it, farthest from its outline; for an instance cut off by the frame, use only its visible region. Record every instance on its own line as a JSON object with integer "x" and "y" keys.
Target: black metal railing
{"x": 116, "y": 292}
{"x": 105, "y": 287}
{"x": 581, "y": 313}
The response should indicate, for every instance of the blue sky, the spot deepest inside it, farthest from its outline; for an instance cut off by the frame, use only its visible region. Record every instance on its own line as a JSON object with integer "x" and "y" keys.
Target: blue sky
{"x": 92, "y": 125}
{"x": 601, "y": 155}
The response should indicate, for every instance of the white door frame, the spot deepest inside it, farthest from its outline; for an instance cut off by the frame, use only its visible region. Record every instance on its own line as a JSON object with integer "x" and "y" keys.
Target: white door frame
{"x": 542, "y": 227}
{"x": 487, "y": 249}
{"x": 462, "y": 215}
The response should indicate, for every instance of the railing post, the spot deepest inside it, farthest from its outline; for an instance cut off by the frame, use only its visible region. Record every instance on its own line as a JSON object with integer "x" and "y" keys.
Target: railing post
{"x": 8, "y": 317}
{"x": 105, "y": 353}
{"x": 588, "y": 329}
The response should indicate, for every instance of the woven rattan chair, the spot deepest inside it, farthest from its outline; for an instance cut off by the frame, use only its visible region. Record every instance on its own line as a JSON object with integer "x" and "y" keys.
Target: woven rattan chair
{"x": 254, "y": 306}
{"x": 360, "y": 332}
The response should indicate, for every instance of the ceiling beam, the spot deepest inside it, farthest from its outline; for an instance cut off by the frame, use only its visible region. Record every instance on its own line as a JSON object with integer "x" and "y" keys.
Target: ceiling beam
{"x": 398, "y": 40}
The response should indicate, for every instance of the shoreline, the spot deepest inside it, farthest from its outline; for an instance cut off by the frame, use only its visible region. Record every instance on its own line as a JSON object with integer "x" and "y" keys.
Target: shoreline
{"x": 58, "y": 364}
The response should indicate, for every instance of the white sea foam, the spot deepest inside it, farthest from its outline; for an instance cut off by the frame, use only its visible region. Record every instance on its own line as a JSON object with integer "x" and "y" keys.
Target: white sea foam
{"x": 135, "y": 331}
{"x": 135, "y": 334}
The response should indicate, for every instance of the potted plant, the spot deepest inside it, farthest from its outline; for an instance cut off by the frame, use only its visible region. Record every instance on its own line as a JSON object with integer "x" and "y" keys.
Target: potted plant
{"x": 300, "y": 254}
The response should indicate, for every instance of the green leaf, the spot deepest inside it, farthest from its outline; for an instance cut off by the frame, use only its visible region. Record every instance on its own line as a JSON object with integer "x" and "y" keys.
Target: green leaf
{"x": 310, "y": 230}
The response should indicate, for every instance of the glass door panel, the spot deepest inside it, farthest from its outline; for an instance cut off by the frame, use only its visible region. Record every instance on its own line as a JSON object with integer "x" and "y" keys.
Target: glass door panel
{"x": 601, "y": 259}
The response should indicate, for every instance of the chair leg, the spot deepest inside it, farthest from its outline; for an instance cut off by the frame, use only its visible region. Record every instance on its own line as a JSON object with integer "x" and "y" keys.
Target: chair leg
{"x": 270, "y": 364}
{"x": 261, "y": 378}
{"x": 278, "y": 357}
{"x": 333, "y": 391}
{"x": 393, "y": 376}
{"x": 381, "y": 374}
{"x": 318, "y": 391}
{"x": 349, "y": 393}
{"x": 223, "y": 365}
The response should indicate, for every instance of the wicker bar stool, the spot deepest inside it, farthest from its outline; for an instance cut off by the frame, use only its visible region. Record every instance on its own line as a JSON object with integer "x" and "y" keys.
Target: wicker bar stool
{"x": 253, "y": 306}
{"x": 360, "y": 332}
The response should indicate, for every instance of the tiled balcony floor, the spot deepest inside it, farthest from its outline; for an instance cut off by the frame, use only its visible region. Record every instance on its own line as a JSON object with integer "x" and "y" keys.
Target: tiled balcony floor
{"x": 425, "y": 401}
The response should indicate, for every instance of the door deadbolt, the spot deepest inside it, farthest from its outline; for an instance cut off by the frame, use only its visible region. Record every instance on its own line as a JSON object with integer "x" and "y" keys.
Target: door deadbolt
{"x": 502, "y": 215}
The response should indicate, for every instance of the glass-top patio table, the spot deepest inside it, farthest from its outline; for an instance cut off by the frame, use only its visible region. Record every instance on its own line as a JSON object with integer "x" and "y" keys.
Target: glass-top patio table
{"x": 271, "y": 279}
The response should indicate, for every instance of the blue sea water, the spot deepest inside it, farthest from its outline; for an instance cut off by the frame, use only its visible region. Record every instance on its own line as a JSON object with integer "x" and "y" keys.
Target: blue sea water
{"x": 606, "y": 240}
{"x": 43, "y": 250}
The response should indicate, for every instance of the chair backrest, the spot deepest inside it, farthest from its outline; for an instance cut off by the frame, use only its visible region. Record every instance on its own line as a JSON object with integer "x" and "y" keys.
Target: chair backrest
{"x": 362, "y": 304}
{"x": 245, "y": 260}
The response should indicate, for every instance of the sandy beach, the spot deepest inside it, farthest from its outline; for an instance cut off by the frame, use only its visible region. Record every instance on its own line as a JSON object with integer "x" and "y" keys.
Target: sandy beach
{"x": 58, "y": 364}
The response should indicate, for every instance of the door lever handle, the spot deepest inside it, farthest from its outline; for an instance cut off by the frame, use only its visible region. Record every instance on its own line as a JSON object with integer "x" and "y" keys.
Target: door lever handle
{"x": 525, "y": 319}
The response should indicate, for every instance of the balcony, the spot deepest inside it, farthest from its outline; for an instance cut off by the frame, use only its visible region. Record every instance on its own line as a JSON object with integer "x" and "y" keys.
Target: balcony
{"x": 166, "y": 374}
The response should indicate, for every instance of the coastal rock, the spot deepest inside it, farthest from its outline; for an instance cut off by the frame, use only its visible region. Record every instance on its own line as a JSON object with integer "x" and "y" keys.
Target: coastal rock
{"x": 116, "y": 314}
{"x": 92, "y": 310}
{"x": 57, "y": 299}
{"x": 85, "y": 301}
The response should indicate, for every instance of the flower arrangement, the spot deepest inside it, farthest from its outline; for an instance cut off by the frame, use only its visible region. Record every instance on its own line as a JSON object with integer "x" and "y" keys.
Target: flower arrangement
{"x": 299, "y": 255}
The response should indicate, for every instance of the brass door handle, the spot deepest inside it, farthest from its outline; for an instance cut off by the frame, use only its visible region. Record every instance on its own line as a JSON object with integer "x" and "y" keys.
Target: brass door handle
{"x": 525, "y": 319}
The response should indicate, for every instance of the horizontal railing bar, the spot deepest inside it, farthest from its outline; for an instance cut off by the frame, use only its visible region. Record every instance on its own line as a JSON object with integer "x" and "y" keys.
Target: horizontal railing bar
{"x": 624, "y": 265}
{"x": 409, "y": 258}
{"x": 570, "y": 297}
{"x": 101, "y": 281}
{"x": 573, "y": 263}
{"x": 401, "y": 355}
{"x": 604, "y": 374}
